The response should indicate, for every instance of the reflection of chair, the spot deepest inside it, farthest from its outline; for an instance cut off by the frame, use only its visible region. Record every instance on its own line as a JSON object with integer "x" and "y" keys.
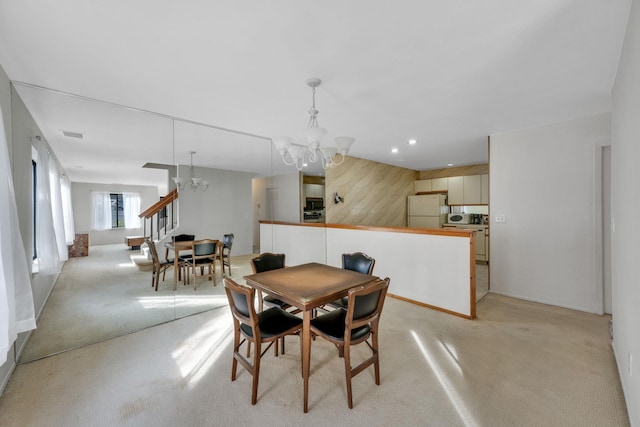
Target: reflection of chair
{"x": 354, "y": 325}
{"x": 179, "y": 238}
{"x": 265, "y": 262}
{"x": 357, "y": 261}
{"x": 265, "y": 327}
{"x": 158, "y": 266}
{"x": 225, "y": 252}
{"x": 203, "y": 254}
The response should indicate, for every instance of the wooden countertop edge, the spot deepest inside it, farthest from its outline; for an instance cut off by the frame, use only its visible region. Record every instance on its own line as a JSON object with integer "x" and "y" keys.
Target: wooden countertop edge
{"x": 432, "y": 231}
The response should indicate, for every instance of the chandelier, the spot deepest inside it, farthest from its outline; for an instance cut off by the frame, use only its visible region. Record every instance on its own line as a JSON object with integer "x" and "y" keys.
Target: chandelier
{"x": 297, "y": 154}
{"x": 192, "y": 183}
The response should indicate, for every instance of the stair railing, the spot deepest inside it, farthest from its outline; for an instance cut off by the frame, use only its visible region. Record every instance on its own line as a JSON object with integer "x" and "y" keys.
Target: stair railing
{"x": 161, "y": 215}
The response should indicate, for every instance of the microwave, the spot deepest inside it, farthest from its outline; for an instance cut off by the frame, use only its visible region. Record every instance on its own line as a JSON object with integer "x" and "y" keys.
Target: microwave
{"x": 458, "y": 218}
{"x": 314, "y": 204}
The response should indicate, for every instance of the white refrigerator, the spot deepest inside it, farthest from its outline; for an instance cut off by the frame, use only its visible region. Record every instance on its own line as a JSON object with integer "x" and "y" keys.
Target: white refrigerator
{"x": 427, "y": 211}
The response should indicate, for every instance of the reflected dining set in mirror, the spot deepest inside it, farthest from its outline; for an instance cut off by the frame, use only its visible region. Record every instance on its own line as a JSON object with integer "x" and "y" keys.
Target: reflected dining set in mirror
{"x": 191, "y": 254}
{"x": 306, "y": 288}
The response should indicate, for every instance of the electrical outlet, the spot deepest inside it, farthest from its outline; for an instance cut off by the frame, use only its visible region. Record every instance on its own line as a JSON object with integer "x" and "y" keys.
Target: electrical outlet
{"x": 501, "y": 218}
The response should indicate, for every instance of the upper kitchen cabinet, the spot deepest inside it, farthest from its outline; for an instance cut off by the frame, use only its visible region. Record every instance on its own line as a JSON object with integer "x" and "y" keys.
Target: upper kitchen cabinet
{"x": 440, "y": 184}
{"x": 472, "y": 189}
{"x": 422, "y": 186}
{"x": 456, "y": 190}
{"x": 431, "y": 185}
{"x": 468, "y": 190}
{"x": 313, "y": 190}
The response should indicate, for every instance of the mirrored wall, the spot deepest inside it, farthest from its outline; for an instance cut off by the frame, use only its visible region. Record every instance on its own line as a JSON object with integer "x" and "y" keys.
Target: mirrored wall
{"x": 125, "y": 150}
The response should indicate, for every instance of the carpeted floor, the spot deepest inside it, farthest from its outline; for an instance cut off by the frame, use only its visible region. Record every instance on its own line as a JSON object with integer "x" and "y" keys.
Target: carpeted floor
{"x": 517, "y": 364}
{"x": 106, "y": 295}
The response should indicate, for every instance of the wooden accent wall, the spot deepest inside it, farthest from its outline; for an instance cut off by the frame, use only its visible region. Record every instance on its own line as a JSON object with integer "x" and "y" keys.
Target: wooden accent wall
{"x": 374, "y": 193}
{"x": 456, "y": 171}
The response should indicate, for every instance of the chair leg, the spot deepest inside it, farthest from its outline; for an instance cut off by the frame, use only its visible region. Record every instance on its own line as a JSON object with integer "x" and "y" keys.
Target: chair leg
{"x": 376, "y": 355}
{"x": 256, "y": 373}
{"x": 347, "y": 371}
{"x": 236, "y": 351}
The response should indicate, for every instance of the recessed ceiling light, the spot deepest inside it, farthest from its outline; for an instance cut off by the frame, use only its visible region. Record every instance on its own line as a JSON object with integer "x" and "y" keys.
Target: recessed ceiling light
{"x": 412, "y": 141}
{"x": 449, "y": 164}
{"x": 71, "y": 134}
{"x": 304, "y": 165}
{"x": 394, "y": 150}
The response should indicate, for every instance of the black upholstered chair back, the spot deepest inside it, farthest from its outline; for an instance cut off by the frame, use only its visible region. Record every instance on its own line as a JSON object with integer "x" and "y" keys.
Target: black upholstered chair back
{"x": 358, "y": 261}
{"x": 208, "y": 248}
{"x": 183, "y": 237}
{"x": 267, "y": 261}
{"x": 366, "y": 305}
{"x": 227, "y": 241}
{"x": 240, "y": 298}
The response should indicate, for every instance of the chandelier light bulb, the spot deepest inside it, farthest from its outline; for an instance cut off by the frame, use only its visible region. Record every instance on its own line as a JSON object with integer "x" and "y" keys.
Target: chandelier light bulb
{"x": 300, "y": 155}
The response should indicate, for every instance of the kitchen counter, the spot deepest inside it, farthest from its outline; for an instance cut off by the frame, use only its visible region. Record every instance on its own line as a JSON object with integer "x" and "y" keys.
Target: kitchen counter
{"x": 482, "y": 238}
{"x": 468, "y": 226}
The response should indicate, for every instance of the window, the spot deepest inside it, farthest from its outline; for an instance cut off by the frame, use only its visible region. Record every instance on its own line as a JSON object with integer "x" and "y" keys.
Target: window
{"x": 117, "y": 210}
{"x": 35, "y": 206}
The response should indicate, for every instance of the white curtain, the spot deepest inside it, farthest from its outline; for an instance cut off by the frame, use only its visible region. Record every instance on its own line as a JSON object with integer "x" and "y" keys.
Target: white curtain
{"x": 16, "y": 300}
{"x": 101, "y": 206}
{"x": 57, "y": 212}
{"x": 131, "y": 209}
{"x": 47, "y": 244}
{"x": 67, "y": 210}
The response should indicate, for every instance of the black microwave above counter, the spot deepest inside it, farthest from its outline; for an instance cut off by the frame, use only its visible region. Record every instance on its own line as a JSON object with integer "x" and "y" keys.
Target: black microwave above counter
{"x": 314, "y": 204}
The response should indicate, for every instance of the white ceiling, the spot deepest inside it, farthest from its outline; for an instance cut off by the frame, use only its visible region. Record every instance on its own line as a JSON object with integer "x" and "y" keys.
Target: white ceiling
{"x": 447, "y": 73}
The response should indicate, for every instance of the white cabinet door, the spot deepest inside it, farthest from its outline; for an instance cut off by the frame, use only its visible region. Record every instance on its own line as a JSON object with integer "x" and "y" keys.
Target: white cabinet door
{"x": 456, "y": 190}
{"x": 472, "y": 189}
{"x": 422, "y": 186}
{"x": 439, "y": 184}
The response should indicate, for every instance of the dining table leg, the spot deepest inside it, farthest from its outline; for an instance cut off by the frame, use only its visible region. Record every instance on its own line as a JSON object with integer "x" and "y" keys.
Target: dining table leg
{"x": 306, "y": 354}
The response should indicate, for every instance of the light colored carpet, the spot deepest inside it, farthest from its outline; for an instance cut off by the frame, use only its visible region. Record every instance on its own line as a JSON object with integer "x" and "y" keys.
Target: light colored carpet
{"x": 106, "y": 295}
{"x": 518, "y": 364}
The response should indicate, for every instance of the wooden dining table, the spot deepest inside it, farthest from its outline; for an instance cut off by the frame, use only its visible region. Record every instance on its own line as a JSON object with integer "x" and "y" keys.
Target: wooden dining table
{"x": 307, "y": 287}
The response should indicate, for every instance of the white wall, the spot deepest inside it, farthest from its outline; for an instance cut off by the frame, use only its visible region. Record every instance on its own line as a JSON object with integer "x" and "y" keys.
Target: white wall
{"x": 625, "y": 200}
{"x": 226, "y": 207}
{"x": 81, "y": 200}
{"x": 277, "y": 198}
{"x": 547, "y": 182}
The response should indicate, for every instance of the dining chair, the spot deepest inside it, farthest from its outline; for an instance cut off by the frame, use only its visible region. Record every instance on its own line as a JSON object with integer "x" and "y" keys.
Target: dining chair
{"x": 158, "y": 266}
{"x": 259, "y": 328}
{"x": 203, "y": 254}
{"x": 225, "y": 252}
{"x": 179, "y": 238}
{"x": 357, "y": 261}
{"x": 354, "y": 325}
{"x": 265, "y": 262}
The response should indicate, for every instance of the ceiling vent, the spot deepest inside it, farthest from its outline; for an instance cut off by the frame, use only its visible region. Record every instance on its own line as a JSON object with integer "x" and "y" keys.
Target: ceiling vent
{"x": 70, "y": 134}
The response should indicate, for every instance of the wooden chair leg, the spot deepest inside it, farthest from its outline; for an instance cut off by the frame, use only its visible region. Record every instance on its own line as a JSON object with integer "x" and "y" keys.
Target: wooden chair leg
{"x": 256, "y": 374}
{"x": 376, "y": 361}
{"x": 347, "y": 371}
{"x": 236, "y": 351}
